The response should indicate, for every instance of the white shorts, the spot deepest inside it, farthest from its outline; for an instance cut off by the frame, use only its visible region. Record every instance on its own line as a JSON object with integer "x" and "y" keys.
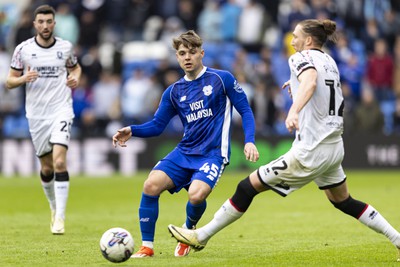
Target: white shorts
{"x": 46, "y": 133}
{"x": 296, "y": 168}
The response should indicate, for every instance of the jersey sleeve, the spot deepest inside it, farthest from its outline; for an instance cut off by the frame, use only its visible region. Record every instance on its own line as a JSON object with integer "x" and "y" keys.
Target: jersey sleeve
{"x": 16, "y": 60}
{"x": 165, "y": 112}
{"x": 239, "y": 100}
{"x": 72, "y": 59}
{"x": 300, "y": 62}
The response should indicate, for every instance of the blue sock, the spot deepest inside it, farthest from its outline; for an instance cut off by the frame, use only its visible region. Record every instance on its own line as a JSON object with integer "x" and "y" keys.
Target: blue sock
{"x": 148, "y": 215}
{"x": 194, "y": 213}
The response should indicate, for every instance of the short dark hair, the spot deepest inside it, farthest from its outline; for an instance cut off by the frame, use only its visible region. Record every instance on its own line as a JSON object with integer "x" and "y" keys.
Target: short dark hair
{"x": 188, "y": 39}
{"x": 44, "y": 9}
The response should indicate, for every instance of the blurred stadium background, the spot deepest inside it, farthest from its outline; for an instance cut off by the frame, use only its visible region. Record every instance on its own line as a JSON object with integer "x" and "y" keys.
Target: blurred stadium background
{"x": 124, "y": 47}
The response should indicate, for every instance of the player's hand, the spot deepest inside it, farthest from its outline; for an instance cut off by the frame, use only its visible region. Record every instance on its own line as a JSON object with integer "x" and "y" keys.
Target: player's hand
{"x": 72, "y": 81}
{"x": 292, "y": 121}
{"x": 31, "y": 75}
{"x": 251, "y": 152}
{"x": 122, "y": 135}
{"x": 287, "y": 84}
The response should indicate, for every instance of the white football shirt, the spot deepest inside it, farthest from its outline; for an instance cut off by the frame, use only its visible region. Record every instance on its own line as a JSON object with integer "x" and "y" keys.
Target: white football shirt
{"x": 321, "y": 119}
{"x": 49, "y": 95}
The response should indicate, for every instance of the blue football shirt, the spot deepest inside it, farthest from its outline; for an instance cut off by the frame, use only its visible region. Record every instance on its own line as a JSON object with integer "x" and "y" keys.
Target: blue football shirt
{"x": 204, "y": 106}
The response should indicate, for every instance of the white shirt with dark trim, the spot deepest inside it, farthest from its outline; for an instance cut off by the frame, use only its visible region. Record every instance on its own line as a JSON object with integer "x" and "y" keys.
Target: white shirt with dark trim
{"x": 321, "y": 119}
{"x": 49, "y": 95}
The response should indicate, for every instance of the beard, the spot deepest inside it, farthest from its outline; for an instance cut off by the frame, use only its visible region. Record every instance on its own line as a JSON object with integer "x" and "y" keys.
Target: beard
{"x": 46, "y": 36}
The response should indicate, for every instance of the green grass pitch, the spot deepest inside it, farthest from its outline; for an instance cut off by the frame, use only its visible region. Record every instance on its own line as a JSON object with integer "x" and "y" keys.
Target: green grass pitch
{"x": 302, "y": 229}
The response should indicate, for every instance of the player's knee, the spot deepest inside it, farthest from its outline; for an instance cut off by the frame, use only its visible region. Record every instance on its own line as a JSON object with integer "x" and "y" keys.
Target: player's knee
{"x": 245, "y": 192}
{"x": 60, "y": 166}
{"x": 47, "y": 171}
{"x": 197, "y": 197}
{"x": 350, "y": 206}
{"x": 151, "y": 188}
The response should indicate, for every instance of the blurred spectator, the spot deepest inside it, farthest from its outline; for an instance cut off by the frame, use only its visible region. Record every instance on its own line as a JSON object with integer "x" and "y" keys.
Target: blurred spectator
{"x": 138, "y": 13}
{"x": 24, "y": 28}
{"x": 116, "y": 16}
{"x": 139, "y": 98}
{"x": 173, "y": 26}
{"x": 152, "y": 28}
{"x": 230, "y": 14}
{"x": 390, "y": 27}
{"x": 370, "y": 34}
{"x": 11, "y": 101}
{"x": 89, "y": 31}
{"x": 166, "y": 9}
{"x": 368, "y": 117}
{"x": 396, "y": 75}
{"x": 263, "y": 105}
{"x": 91, "y": 65}
{"x": 209, "y": 22}
{"x": 396, "y": 117}
{"x": 352, "y": 72}
{"x": 380, "y": 68}
{"x": 349, "y": 107}
{"x": 81, "y": 103}
{"x": 252, "y": 24}
{"x": 376, "y": 9}
{"x": 67, "y": 24}
{"x": 105, "y": 102}
{"x": 189, "y": 11}
{"x": 351, "y": 13}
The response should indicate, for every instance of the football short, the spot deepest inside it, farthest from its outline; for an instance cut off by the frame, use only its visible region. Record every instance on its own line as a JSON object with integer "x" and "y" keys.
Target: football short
{"x": 183, "y": 169}
{"x": 46, "y": 133}
{"x": 297, "y": 168}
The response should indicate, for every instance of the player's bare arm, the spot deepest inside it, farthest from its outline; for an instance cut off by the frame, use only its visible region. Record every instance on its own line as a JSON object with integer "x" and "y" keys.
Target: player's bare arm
{"x": 308, "y": 84}
{"x": 251, "y": 152}
{"x": 122, "y": 135}
{"x": 74, "y": 75}
{"x": 17, "y": 78}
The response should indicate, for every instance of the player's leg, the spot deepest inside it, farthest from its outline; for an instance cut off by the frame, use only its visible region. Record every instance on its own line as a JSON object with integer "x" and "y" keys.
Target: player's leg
{"x": 280, "y": 175}
{"x": 229, "y": 212}
{"x": 234, "y": 207}
{"x": 157, "y": 182}
{"x": 195, "y": 208}
{"x": 61, "y": 186}
{"x": 47, "y": 181}
{"x": 363, "y": 212}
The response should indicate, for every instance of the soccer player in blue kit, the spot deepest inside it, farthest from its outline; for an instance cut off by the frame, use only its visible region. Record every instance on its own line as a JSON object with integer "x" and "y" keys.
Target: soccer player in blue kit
{"x": 203, "y": 99}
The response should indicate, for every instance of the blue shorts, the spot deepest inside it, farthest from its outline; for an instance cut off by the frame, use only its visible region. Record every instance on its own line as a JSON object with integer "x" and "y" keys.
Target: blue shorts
{"x": 183, "y": 169}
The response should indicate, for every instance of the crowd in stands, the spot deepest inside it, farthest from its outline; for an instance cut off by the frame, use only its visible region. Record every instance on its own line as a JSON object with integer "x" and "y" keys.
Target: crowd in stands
{"x": 124, "y": 48}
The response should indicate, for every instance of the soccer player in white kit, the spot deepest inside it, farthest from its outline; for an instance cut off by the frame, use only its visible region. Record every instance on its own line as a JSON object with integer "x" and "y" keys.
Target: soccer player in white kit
{"x": 48, "y": 68}
{"x": 317, "y": 151}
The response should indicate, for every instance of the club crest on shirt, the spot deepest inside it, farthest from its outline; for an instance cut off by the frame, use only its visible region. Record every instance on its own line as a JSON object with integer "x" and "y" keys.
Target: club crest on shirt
{"x": 237, "y": 87}
{"x": 59, "y": 55}
{"x": 207, "y": 90}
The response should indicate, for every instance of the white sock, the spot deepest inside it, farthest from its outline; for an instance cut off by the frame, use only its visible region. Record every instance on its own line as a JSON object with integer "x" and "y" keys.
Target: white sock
{"x": 374, "y": 220}
{"x": 48, "y": 189}
{"x": 61, "y": 192}
{"x": 148, "y": 244}
{"x": 226, "y": 215}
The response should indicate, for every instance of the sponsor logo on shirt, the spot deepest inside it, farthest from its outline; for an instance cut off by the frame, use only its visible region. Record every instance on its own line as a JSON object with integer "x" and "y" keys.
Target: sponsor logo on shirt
{"x": 198, "y": 111}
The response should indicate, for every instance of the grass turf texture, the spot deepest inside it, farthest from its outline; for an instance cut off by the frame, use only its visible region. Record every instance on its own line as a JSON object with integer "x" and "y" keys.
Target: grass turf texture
{"x": 300, "y": 230}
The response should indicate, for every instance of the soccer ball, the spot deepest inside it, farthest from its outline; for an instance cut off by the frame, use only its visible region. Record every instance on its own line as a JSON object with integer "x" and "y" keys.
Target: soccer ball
{"x": 116, "y": 244}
